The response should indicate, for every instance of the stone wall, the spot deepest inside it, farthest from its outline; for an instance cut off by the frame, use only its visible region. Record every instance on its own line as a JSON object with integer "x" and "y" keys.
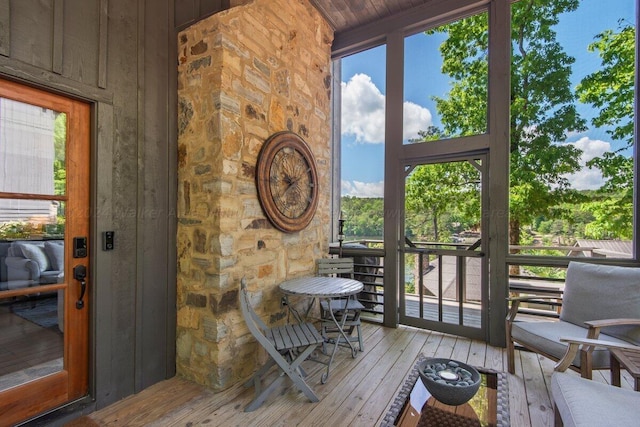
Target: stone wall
{"x": 243, "y": 75}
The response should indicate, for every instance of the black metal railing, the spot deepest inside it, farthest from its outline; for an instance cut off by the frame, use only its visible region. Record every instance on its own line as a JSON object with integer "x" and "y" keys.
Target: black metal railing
{"x": 368, "y": 263}
{"x": 369, "y": 268}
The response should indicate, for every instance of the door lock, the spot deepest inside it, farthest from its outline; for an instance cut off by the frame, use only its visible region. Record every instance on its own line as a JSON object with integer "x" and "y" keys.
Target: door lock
{"x": 79, "y": 247}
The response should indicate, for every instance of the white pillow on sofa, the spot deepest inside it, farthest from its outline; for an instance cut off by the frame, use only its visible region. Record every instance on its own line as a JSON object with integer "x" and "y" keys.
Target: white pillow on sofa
{"x": 35, "y": 253}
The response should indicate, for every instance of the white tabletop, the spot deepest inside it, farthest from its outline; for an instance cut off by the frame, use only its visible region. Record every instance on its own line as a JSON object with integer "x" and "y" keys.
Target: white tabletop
{"x": 321, "y": 287}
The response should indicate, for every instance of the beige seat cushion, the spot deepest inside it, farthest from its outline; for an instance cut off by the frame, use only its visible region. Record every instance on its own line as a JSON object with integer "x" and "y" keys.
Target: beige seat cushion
{"x": 588, "y": 403}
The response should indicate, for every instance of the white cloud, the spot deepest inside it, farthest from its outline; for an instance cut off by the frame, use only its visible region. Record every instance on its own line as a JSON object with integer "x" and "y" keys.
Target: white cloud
{"x": 362, "y": 189}
{"x": 415, "y": 118}
{"x": 363, "y": 107}
{"x": 588, "y": 179}
{"x": 363, "y": 110}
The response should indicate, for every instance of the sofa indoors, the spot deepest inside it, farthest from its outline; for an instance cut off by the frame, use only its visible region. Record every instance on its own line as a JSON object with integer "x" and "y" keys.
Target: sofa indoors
{"x": 26, "y": 263}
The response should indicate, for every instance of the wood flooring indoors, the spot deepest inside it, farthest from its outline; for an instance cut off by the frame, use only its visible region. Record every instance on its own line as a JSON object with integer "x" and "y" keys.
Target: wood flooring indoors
{"x": 25, "y": 345}
{"x": 359, "y": 391}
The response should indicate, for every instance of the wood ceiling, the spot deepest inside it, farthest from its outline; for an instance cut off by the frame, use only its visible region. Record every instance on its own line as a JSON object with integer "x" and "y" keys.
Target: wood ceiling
{"x": 362, "y": 24}
{"x": 346, "y": 15}
{"x": 357, "y": 24}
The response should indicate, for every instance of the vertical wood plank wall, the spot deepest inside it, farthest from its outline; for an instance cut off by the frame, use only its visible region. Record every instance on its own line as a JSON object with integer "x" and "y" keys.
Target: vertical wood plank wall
{"x": 120, "y": 55}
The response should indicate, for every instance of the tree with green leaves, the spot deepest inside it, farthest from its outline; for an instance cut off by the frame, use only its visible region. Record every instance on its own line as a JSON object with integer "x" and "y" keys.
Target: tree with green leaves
{"x": 543, "y": 107}
{"x": 60, "y": 144}
{"x": 440, "y": 190}
{"x": 611, "y": 90}
{"x": 59, "y": 166}
{"x": 364, "y": 216}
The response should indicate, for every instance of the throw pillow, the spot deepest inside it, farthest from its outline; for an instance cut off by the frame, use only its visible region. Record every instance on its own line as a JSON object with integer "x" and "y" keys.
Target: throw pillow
{"x": 36, "y": 254}
{"x": 55, "y": 252}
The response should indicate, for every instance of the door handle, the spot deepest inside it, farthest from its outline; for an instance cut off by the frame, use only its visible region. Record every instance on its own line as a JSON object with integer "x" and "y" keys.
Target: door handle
{"x": 80, "y": 274}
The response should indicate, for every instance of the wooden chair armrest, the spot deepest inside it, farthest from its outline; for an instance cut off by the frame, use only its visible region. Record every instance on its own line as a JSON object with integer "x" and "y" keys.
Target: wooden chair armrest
{"x": 600, "y": 343}
{"x": 596, "y": 325}
{"x": 515, "y": 304}
{"x": 531, "y": 298}
{"x": 575, "y": 343}
{"x": 611, "y": 322}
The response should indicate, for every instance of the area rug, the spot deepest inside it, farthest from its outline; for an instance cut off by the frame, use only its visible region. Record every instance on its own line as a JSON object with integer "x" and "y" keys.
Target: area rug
{"x": 42, "y": 312}
{"x": 398, "y": 405}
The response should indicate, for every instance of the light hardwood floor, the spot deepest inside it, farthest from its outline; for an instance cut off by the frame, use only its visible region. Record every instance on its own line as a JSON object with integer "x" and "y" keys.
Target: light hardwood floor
{"x": 358, "y": 393}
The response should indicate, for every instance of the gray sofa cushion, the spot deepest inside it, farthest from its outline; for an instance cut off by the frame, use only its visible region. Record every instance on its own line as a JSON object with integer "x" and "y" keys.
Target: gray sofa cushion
{"x": 594, "y": 292}
{"x": 19, "y": 268}
{"x": 582, "y": 402}
{"x": 545, "y": 336}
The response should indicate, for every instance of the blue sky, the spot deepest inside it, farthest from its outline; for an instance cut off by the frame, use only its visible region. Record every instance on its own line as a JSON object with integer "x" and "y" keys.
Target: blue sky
{"x": 363, "y": 88}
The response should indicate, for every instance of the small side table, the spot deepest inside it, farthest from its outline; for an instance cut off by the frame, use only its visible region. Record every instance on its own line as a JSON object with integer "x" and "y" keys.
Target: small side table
{"x": 630, "y": 361}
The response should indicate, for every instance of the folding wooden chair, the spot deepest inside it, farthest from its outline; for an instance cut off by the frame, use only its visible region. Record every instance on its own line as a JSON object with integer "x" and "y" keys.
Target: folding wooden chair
{"x": 288, "y": 346}
{"x": 351, "y": 307}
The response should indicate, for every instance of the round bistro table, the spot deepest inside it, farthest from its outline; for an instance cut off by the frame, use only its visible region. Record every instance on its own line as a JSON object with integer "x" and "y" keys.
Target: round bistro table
{"x": 327, "y": 288}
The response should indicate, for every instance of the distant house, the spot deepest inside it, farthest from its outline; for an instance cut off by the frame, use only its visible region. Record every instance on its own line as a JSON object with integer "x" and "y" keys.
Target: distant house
{"x": 603, "y": 249}
{"x": 449, "y": 275}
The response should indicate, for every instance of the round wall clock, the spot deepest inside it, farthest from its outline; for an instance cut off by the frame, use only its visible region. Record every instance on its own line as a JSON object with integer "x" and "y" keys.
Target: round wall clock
{"x": 287, "y": 181}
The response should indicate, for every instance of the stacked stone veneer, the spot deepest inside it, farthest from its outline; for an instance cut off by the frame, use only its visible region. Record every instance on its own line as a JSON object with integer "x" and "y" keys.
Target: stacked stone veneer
{"x": 243, "y": 75}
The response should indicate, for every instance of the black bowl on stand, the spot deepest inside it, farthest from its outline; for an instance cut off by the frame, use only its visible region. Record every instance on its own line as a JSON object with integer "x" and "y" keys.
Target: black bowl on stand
{"x": 449, "y": 381}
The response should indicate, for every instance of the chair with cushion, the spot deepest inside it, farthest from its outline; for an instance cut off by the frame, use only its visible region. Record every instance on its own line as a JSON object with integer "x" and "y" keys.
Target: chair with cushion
{"x": 599, "y": 301}
{"x": 340, "y": 267}
{"x": 583, "y": 402}
{"x": 288, "y": 346}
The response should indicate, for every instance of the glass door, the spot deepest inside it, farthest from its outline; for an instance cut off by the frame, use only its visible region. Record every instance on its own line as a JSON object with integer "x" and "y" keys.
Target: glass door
{"x": 444, "y": 281}
{"x": 44, "y": 251}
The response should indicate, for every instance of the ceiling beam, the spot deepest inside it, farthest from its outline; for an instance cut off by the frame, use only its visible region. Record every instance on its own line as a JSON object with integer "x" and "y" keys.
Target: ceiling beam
{"x": 408, "y": 21}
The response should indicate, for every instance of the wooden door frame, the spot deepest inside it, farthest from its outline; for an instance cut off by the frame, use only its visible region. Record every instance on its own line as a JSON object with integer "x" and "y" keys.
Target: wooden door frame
{"x": 72, "y": 382}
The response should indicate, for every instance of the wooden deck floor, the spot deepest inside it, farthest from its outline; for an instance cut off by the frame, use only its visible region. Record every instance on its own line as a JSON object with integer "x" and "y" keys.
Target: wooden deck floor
{"x": 358, "y": 393}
